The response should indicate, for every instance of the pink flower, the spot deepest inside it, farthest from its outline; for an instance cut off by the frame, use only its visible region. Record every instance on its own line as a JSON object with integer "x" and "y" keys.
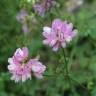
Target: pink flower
{"x": 22, "y": 15}
{"x": 59, "y": 34}
{"x": 37, "y": 68}
{"x": 39, "y": 8}
{"x": 21, "y": 68}
{"x": 45, "y": 6}
{"x": 22, "y": 18}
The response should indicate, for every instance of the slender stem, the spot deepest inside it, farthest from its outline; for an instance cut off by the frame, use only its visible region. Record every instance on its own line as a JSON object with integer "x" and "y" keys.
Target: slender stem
{"x": 49, "y": 75}
{"x": 66, "y": 63}
{"x": 52, "y": 75}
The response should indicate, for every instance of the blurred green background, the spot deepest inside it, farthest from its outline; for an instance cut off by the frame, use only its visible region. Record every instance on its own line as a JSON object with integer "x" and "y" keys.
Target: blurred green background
{"x": 82, "y": 50}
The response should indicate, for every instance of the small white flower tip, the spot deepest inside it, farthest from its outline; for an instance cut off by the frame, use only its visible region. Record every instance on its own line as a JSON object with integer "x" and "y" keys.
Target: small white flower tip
{"x": 10, "y": 60}
{"x": 19, "y": 51}
{"x": 46, "y": 29}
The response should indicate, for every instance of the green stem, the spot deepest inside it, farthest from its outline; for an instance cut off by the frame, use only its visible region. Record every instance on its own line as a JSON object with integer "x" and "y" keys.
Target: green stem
{"x": 66, "y": 63}
{"x": 49, "y": 75}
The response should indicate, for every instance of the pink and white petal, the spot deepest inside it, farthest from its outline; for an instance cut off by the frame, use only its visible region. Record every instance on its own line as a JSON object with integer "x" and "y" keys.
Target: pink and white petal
{"x": 69, "y": 27}
{"x": 38, "y": 67}
{"x": 10, "y": 61}
{"x": 47, "y": 32}
{"x": 68, "y": 39}
{"x": 74, "y": 33}
{"x": 57, "y": 24}
{"x": 63, "y": 28}
{"x": 47, "y": 29}
{"x": 46, "y": 42}
{"x": 28, "y": 76}
{"x": 15, "y": 60}
{"x": 18, "y": 52}
{"x": 16, "y": 78}
{"x": 24, "y": 78}
{"x": 11, "y": 67}
{"x": 56, "y": 47}
{"x": 53, "y": 42}
{"x": 39, "y": 76}
{"x": 63, "y": 44}
{"x": 25, "y": 52}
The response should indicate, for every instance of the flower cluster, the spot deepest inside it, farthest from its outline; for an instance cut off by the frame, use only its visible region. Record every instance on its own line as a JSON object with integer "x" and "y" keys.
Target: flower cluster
{"x": 21, "y": 68}
{"x": 39, "y": 8}
{"x": 59, "y": 34}
{"x": 43, "y": 7}
{"x": 21, "y": 17}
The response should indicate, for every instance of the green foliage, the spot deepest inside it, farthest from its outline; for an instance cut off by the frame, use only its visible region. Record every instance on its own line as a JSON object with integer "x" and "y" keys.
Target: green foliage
{"x": 82, "y": 51}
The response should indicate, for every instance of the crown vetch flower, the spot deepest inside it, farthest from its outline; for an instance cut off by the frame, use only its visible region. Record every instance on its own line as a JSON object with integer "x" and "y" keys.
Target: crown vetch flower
{"x": 59, "y": 34}
{"x": 22, "y": 18}
{"x": 41, "y": 8}
{"x": 22, "y": 15}
{"x": 21, "y": 68}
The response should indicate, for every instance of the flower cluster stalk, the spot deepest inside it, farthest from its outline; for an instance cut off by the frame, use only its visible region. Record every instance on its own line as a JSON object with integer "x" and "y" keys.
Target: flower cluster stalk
{"x": 66, "y": 63}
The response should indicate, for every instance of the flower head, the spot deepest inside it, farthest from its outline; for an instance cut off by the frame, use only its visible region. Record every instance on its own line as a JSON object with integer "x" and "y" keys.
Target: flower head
{"x": 21, "y": 68}
{"x": 39, "y": 8}
{"x": 59, "y": 34}
{"x": 22, "y": 15}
